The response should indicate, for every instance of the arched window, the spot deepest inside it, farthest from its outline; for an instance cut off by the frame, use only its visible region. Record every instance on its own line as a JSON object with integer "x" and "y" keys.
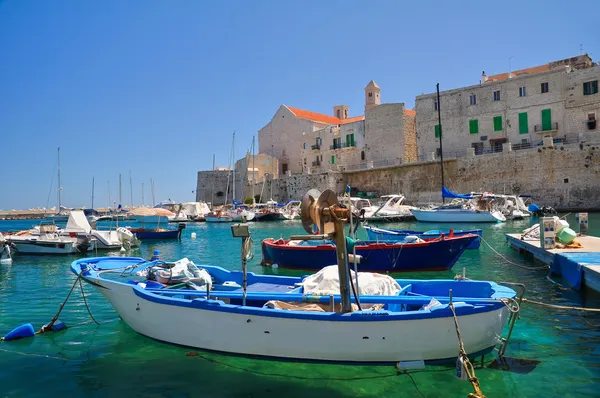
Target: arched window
{"x": 362, "y": 155}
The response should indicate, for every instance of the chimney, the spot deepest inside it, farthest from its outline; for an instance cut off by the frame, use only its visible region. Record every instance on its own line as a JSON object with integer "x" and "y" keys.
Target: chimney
{"x": 483, "y": 78}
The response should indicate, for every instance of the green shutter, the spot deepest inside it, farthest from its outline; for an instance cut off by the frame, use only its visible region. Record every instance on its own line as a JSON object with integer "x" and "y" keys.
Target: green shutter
{"x": 332, "y": 159}
{"x": 352, "y": 139}
{"x": 473, "y": 126}
{"x": 497, "y": 123}
{"x": 437, "y": 131}
{"x": 546, "y": 119}
{"x": 595, "y": 87}
{"x": 523, "y": 125}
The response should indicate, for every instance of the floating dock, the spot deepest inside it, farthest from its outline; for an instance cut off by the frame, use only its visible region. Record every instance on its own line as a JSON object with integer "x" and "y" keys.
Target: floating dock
{"x": 580, "y": 266}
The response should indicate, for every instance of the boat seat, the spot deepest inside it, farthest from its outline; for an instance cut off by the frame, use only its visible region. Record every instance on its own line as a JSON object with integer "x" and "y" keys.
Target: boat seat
{"x": 266, "y": 287}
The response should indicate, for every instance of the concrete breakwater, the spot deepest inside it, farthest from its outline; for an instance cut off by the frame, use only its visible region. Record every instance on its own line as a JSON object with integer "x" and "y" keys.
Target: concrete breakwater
{"x": 558, "y": 176}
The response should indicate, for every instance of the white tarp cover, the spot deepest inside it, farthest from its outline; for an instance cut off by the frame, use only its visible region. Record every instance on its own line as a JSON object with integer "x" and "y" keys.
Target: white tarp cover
{"x": 78, "y": 222}
{"x": 326, "y": 282}
{"x": 182, "y": 271}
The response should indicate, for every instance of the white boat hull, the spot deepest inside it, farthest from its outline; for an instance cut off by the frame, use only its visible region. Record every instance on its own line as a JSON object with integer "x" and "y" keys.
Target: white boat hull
{"x": 36, "y": 247}
{"x": 457, "y": 215}
{"x": 236, "y": 332}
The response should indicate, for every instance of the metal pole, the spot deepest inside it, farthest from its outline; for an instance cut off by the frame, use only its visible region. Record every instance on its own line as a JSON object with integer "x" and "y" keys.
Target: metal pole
{"x": 253, "y": 170}
{"x": 439, "y": 108}
{"x": 244, "y": 271}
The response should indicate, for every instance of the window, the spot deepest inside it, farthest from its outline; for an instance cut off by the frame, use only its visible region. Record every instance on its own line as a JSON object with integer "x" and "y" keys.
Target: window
{"x": 522, "y": 92}
{"x": 350, "y": 140}
{"x": 337, "y": 143}
{"x": 346, "y": 113}
{"x": 497, "y": 123}
{"x": 478, "y": 146}
{"x": 523, "y": 124}
{"x": 524, "y": 141}
{"x": 362, "y": 155}
{"x": 590, "y": 88}
{"x": 435, "y": 105}
{"x": 437, "y": 131}
{"x": 370, "y": 94}
{"x": 304, "y": 145}
{"x": 332, "y": 159}
{"x": 497, "y": 95}
{"x": 544, "y": 87}
{"x": 473, "y": 126}
{"x": 473, "y": 99}
{"x": 339, "y": 114}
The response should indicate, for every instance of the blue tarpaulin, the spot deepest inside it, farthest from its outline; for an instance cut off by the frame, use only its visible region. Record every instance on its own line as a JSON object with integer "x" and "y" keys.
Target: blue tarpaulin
{"x": 446, "y": 193}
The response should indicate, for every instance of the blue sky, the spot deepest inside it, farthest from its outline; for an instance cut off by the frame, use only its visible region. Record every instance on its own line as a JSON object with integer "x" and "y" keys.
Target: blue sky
{"x": 158, "y": 87}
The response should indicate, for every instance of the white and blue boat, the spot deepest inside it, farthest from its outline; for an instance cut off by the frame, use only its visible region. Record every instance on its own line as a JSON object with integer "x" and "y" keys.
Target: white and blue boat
{"x": 276, "y": 316}
{"x": 395, "y": 235}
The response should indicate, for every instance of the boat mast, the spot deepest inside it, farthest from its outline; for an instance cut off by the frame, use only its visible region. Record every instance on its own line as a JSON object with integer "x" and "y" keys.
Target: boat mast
{"x": 212, "y": 193}
{"x": 130, "y": 189}
{"x": 120, "y": 191}
{"x": 59, "y": 187}
{"x": 272, "y": 164}
{"x": 143, "y": 203}
{"x": 233, "y": 168}
{"x": 437, "y": 87}
{"x": 93, "y": 186}
{"x": 152, "y": 188}
{"x": 253, "y": 169}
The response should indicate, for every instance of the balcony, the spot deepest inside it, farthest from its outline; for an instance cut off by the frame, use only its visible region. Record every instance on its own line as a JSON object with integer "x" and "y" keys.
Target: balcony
{"x": 316, "y": 163}
{"x": 342, "y": 145}
{"x": 539, "y": 128}
{"x": 315, "y": 147}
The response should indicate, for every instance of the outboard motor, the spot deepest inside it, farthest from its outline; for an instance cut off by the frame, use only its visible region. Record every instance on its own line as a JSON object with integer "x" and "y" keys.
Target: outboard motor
{"x": 181, "y": 228}
{"x": 83, "y": 243}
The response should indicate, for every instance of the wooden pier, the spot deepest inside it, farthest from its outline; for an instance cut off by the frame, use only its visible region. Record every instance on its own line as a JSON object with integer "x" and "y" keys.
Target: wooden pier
{"x": 580, "y": 266}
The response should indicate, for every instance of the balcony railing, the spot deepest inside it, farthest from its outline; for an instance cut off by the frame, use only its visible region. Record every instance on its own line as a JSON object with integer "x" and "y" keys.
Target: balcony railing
{"x": 539, "y": 128}
{"x": 316, "y": 146}
{"x": 316, "y": 163}
{"x": 342, "y": 145}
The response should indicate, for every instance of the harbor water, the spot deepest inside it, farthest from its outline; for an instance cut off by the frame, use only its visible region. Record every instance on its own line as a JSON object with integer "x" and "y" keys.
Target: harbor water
{"x": 111, "y": 360}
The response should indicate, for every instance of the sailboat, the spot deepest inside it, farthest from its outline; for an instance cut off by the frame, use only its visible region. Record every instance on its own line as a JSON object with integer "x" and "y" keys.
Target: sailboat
{"x": 231, "y": 213}
{"x": 63, "y": 213}
{"x": 464, "y": 208}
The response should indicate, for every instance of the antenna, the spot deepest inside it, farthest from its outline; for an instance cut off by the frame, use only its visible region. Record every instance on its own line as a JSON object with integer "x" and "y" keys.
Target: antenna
{"x": 509, "y": 66}
{"x": 581, "y": 49}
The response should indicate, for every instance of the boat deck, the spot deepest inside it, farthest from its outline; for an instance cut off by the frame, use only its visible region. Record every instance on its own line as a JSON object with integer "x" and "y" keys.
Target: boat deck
{"x": 577, "y": 265}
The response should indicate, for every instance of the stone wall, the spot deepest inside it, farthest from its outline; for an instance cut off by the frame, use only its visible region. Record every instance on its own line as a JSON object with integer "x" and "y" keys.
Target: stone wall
{"x": 296, "y": 185}
{"x": 212, "y": 186}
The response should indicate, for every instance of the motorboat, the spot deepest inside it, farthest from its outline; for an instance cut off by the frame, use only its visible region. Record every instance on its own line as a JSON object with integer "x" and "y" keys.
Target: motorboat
{"x": 47, "y": 241}
{"x": 381, "y": 234}
{"x": 291, "y": 210}
{"x": 465, "y": 208}
{"x": 267, "y": 212}
{"x": 105, "y": 239}
{"x": 158, "y": 233}
{"x": 230, "y": 215}
{"x": 389, "y": 209}
{"x": 196, "y": 211}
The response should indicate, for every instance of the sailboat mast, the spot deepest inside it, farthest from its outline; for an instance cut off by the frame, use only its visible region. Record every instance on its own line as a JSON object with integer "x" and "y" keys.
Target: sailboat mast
{"x": 130, "y": 190}
{"x": 272, "y": 164}
{"x": 152, "y": 188}
{"x": 212, "y": 192}
{"x": 253, "y": 170}
{"x": 59, "y": 187}
{"x": 120, "y": 191}
{"x": 93, "y": 186}
{"x": 437, "y": 87}
{"x": 143, "y": 202}
{"x": 233, "y": 163}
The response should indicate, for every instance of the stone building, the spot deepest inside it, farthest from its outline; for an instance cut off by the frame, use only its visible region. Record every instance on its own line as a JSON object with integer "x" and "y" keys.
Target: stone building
{"x": 310, "y": 142}
{"x": 214, "y": 186}
{"x": 265, "y": 167}
{"x": 519, "y": 108}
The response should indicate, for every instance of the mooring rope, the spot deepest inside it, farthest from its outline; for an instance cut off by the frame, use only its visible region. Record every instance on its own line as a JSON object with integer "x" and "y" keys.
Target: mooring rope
{"x": 561, "y": 307}
{"x": 544, "y": 267}
{"x": 86, "y": 304}
{"x": 466, "y": 363}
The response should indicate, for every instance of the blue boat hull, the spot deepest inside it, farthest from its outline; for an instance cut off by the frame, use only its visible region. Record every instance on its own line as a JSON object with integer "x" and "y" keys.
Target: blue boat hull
{"x": 399, "y": 234}
{"x": 435, "y": 255}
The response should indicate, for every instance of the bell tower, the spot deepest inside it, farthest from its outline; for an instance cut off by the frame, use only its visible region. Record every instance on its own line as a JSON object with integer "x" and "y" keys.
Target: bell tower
{"x": 372, "y": 95}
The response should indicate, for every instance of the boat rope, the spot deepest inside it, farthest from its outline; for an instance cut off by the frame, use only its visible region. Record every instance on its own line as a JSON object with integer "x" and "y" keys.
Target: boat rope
{"x": 48, "y": 327}
{"x": 544, "y": 267}
{"x": 466, "y": 363}
{"x": 560, "y": 307}
{"x": 86, "y": 304}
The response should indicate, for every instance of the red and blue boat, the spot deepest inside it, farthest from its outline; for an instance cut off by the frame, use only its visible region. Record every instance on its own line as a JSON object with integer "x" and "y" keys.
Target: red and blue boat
{"x": 381, "y": 234}
{"x": 429, "y": 254}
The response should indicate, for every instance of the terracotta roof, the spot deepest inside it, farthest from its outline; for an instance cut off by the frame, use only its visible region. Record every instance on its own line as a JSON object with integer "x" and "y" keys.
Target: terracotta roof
{"x": 326, "y": 119}
{"x": 527, "y": 71}
{"x": 321, "y": 118}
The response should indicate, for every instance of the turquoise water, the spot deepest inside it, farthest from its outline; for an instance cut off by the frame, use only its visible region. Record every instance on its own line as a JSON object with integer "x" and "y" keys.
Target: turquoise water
{"x": 111, "y": 360}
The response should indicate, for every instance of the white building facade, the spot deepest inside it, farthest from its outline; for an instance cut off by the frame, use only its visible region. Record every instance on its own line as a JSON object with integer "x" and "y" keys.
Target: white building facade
{"x": 519, "y": 108}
